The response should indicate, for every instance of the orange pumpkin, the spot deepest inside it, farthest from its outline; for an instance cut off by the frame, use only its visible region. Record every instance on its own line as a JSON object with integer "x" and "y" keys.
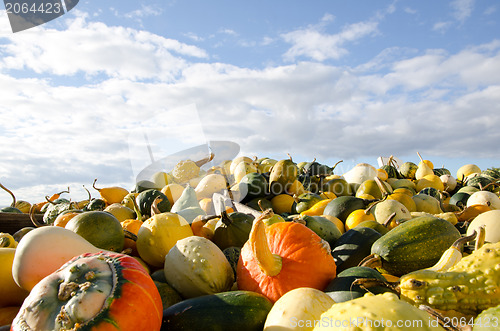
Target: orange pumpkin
{"x": 94, "y": 291}
{"x": 283, "y": 256}
{"x": 63, "y": 218}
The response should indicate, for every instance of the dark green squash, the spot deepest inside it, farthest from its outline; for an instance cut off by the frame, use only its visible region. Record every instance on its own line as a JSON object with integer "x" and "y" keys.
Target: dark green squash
{"x": 342, "y": 206}
{"x": 391, "y": 171}
{"x": 253, "y": 185}
{"x": 233, "y": 229}
{"x": 233, "y": 310}
{"x": 341, "y": 288}
{"x": 459, "y": 199}
{"x": 95, "y": 204}
{"x": 353, "y": 246}
{"x": 146, "y": 198}
{"x": 415, "y": 244}
{"x": 481, "y": 181}
{"x": 441, "y": 171}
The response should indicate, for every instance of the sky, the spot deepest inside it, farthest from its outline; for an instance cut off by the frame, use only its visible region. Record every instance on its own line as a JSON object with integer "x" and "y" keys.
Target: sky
{"x": 114, "y": 87}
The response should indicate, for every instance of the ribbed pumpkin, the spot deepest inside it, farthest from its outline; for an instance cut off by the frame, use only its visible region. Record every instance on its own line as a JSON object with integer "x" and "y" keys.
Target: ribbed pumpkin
{"x": 283, "y": 256}
{"x": 93, "y": 291}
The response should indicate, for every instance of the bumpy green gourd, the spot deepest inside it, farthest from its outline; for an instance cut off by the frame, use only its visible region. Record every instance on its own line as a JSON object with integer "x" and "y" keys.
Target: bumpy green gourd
{"x": 469, "y": 287}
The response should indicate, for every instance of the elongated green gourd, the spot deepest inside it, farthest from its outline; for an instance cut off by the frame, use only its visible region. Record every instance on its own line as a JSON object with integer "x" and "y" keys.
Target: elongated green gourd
{"x": 470, "y": 286}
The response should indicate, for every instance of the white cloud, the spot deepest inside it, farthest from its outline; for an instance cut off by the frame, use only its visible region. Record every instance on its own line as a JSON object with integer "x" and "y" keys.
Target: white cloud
{"x": 145, "y": 11}
{"x": 441, "y": 26}
{"x": 227, "y": 31}
{"x": 95, "y": 48}
{"x": 312, "y": 43}
{"x": 462, "y": 9}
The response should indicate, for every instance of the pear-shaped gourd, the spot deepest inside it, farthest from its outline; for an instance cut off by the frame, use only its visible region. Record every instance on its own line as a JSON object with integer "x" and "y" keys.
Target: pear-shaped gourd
{"x": 44, "y": 250}
{"x": 187, "y": 205}
{"x": 423, "y": 168}
{"x": 283, "y": 174}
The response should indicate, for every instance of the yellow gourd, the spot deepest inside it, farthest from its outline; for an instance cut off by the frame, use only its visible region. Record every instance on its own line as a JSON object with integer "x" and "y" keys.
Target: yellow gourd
{"x": 317, "y": 209}
{"x": 113, "y": 194}
{"x": 12, "y": 294}
{"x": 158, "y": 235}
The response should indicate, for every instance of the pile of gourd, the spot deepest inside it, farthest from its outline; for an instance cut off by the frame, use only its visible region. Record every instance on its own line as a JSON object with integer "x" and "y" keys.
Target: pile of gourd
{"x": 256, "y": 244}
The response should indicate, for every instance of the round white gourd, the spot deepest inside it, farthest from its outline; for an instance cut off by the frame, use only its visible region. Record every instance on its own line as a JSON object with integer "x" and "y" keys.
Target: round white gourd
{"x": 484, "y": 198}
{"x": 491, "y": 222}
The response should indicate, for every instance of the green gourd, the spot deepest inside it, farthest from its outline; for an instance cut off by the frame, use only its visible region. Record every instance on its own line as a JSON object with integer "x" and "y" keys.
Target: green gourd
{"x": 414, "y": 244}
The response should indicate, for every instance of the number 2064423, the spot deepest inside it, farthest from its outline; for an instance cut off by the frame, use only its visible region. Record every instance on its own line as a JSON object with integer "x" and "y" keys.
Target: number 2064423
{"x": 33, "y": 8}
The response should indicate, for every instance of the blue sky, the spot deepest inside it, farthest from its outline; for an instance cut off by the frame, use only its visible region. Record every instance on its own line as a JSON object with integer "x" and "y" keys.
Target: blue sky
{"x": 331, "y": 80}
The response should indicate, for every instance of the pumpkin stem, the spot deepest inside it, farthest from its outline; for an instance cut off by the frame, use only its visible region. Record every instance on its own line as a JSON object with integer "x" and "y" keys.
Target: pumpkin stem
{"x": 33, "y": 218}
{"x": 367, "y": 283}
{"x": 201, "y": 162}
{"x": 371, "y": 261}
{"x": 268, "y": 262}
{"x": 480, "y": 238}
{"x": 93, "y": 185}
{"x": 88, "y": 193}
{"x": 13, "y": 204}
{"x": 381, "y": 187}
{"x": 389, "y": 219}
{"x": 154, "y": 206}
{"x": 335, "y": 165}
{"x": 442, "y": 320}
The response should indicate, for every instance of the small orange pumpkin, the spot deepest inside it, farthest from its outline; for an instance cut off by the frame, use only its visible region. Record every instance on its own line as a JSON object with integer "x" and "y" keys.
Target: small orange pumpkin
{"x": 133, "y": 226}
{"x": 63, "y": 218}
{"x": 283, "y": 256}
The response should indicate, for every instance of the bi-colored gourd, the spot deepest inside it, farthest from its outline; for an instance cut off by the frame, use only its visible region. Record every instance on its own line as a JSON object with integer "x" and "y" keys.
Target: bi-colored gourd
{"x": 101, "y": 291}
{"x": 284, "y": 256}
{"x": 470, "y": 286}
{"x": 44, "y": 250}
{"x": 195, "y": 266}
